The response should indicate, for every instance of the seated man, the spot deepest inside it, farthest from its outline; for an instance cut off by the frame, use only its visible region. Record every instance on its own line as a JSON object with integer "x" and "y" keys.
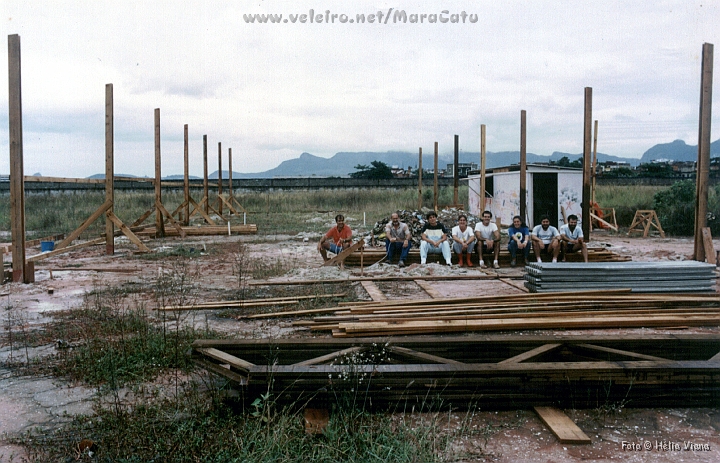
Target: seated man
{"x": 434, "y": 239}
{"x": 398, "y": 238}
{"x": 545, "y": 239}
{"x": 488, "y": 239}
{"x": 519, "y": 240}
{"x": 336, "y": 239}
{"x": 463, "y": 240}
{"x": 571, "y": 238}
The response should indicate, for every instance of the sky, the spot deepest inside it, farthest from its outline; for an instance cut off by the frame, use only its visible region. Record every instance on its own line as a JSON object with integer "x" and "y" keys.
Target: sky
{"x": 271, "y": 91}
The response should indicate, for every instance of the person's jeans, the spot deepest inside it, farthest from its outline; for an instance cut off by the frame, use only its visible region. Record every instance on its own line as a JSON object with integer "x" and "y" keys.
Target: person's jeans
{"x": 397, "y": 246}
{"x": 513, "y": 248}
{"x": 457, "y": 247}
{"x": 426, "y": 248}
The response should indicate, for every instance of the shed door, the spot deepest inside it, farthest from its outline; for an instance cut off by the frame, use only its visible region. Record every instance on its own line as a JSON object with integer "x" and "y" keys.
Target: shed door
{"x": 545, "y": 197}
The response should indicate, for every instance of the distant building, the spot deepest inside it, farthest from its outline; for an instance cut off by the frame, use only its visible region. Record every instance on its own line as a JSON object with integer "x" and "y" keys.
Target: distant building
{"x": 464, "y": 169}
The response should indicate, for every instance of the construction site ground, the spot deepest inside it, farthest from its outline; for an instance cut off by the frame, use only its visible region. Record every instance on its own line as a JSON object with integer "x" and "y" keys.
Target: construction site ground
{"x": 215, "y": 267}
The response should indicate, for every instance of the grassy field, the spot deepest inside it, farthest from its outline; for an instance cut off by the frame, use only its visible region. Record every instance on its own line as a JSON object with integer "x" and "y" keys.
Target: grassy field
{"x": 287, "y": 212}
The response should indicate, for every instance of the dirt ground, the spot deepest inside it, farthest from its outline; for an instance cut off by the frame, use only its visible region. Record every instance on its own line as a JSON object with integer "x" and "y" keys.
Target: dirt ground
{"x": 62, "y": 281}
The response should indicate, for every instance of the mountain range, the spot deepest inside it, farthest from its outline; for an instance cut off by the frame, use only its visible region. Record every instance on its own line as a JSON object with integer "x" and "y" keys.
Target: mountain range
{"x": 343, "y": 163}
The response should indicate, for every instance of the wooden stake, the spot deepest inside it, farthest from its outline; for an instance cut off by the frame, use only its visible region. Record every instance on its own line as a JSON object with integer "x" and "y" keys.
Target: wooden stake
{"x": 523, "y": 169}
{"x": 482, "y": 169}
{"x": 420, "y": 201}
{"x": 159, "y": 222}
{"x": 109, "y": 168}
{"x": 186, "y": 178}
{"x": 703, "y": 162}
{"x": 587, "y": 160}
{"x": 435, "y": 185}
{"x": 17, "y": 177}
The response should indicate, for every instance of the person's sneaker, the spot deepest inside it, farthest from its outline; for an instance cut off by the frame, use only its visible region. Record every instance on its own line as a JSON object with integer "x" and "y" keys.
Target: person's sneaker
{"x": 513, "y": 263}
{"x": 422, "y": 262}
{"x": 401, "y": 263}
{"x": 554, "y": 261}
{"x": 449, "y": 263}
{"x": 482, "y": 264}
{"x": 539, "y": 260}
{"x": 496, "y": 265}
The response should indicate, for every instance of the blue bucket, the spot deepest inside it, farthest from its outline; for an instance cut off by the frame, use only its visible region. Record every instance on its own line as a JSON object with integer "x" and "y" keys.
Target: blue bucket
{"x": 47, "y": 246}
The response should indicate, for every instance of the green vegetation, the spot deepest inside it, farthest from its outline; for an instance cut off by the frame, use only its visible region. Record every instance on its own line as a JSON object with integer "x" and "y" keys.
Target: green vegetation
{"x": 676, "y": 208}
{"x": 377, "y": 170}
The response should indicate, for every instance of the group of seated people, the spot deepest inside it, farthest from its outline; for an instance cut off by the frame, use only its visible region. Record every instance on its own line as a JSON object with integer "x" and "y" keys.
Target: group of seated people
{"x": 545, "y": 240}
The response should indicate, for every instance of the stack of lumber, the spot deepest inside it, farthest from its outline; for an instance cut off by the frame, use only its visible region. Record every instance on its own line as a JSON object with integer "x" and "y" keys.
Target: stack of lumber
{"x": 249, "y": 229}
{"x": 576, "y": 310}
{"x": 640, "y": 277}
{"x": 372, "y": 255}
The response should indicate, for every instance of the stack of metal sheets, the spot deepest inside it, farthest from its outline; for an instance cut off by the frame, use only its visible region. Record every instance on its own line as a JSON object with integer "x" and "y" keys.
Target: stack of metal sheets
{"x": 641, "y": 277}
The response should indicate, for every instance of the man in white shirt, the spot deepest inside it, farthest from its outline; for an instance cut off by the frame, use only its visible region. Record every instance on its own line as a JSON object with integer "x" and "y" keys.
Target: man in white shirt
{"x": 572, "y": 238}
{"x": 545, "y": 239}
{"x": 488, "y": 239}
{"x": 463, "y": 240}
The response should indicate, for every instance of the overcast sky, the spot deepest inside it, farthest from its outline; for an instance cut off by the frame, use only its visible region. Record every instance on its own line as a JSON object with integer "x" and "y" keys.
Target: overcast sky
{"x": 272, "y": 91}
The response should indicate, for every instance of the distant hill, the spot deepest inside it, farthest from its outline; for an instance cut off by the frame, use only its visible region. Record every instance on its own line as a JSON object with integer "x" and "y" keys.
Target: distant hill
{"x": 678, "y": 150}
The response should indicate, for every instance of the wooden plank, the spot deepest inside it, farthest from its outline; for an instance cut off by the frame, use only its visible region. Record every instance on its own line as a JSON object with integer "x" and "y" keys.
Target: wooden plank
{"x": 373, "y": 290}
{"x": 74, "y": 247}
{"x": 562, "y": 426}
{"x": 425, "y": 357}
{"x": 621, "y": 352}
{"x": 95, "y": 215}
{"x": 531, "y": 353}
{"x": 159, "y": 206}
{"x": 603, "y": 222}
{"x": 224, "y": 357}
{"x": 159, "y": 222}
{"x": 427, "y": 287}
{"x": 702, "y": 175}
{"x": 109, "y": 168}
{"x": 17, "y": 178}
{"x": 250, "y": 302}
{"x": 340, "y": 258}
{"x": 710, "y": 254}
{"x": 142, "y": 218}
{"x": 197, "y": 207}
{"x": 126, "y": 231}
{"x": 331, "y": 356}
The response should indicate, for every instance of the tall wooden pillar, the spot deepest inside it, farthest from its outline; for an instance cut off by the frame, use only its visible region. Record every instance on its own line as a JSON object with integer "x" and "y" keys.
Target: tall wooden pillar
{"x": 17, "y": 175}
{"x": 220, "y": 208}
{"x": 159, "y": 221}
{"x": 456, "y": 171}
{"x": 186, "y": 178}
{"x": 483, "y": 156}
{"x": 420, "y": 201}
{"x": 703, "y": 162}
{"x": 109, "y": 168}
{"x": 435, "y": 184}
{"x": 587, "y": 161}
{"x": 593, "y": 170}
{"x": 523, "y": 170}
{"x": 230, "y": 185}
{"x": 206, "y": 189}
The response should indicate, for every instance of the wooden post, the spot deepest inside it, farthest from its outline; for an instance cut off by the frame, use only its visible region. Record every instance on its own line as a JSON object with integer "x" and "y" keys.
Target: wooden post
{"x": 435, "y": 185}
{"x": 159, "y": 222}
{"x": 587, "y": 140}
{"x": 186, "y": 177}
{"x": 703, "y": 162}
{"x": 206, "y": 191}
{"x": 420, "y": 201}
{"x": 219, "y": 177}
{"x": 483, "y": 155}
{"x": 17, "y": 176}
{"x": 230, "y": 186}
{"x": 523, "y": 168}
{"x": 456, "y": 171}
{"x": 593, "y": 172}
{"x": 109, "y": 168}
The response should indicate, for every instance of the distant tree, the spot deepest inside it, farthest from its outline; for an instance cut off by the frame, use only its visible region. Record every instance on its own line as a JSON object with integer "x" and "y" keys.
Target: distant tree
{"x": 377, "y": 170}
{"x": 622, "y": 172}
{"x": 566, "y": 162}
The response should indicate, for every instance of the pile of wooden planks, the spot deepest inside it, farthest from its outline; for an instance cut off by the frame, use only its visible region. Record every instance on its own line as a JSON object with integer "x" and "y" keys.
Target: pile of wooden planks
{"x": 595, "y": 254}
{"x": 576, "y": 310}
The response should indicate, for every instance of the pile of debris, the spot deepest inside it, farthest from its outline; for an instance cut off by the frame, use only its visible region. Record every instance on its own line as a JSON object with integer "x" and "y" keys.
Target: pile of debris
{"x": 416, "y": 219}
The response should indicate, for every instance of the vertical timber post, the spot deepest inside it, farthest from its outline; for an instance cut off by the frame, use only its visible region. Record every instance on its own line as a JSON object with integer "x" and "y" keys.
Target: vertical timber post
{"x": 159, "y": 220}
{"x": 435, "y": 184}
{"x": 593, "y": 170}
{"x": 220, "y": 208}
{"x": 703, "y": 162}
{"x": 17, "y": 175}
{"x": 186, "y": 178}
{"x": 587, "y": 141}
{"x": 482, "y": 168}
{"x": 230, "y": 186}
{"x": 206, "y": 189}
{"x": 456, "y": 171}
{"x": 523, "y": 169}
{"x": 420, "y": 180}
{"x": 109, "y": 168}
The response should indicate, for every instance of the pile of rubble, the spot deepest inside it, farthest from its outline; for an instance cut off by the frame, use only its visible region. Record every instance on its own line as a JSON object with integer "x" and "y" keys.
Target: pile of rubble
{"x": 416, "y": 219}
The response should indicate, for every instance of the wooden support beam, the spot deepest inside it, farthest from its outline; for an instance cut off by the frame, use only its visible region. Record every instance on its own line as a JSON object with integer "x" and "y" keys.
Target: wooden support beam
{"x": 332, "y": 356}
{"x": 186, "y": 177}
{"x": 75, "y": 247}
{"x": 126, "y": 231}
{"x": 456, "y": 170}
{"x": 420, "y": 168}
{"x": 483, "y": 157}
{"x": 708, "y": 245}
{"x": 206, "y": 190}
{"x": 703, "y": 159}
{"x": 220, "y": 190}
{"x": 226, "y": 358}
{"x": 625, "y": 353}
{"x": 587, "y": 164}
{"x": 95, "y": 215}
{"x": 109, "y": 168}
{"x": 340, "y": 258}
{"x": 531, "y": 353}
{"x": 142, "y": 218}
{"x": 159, "y": 207}
{"x": 603, "y": 222}
{"x": 425, "y": 357}
{"x": 199, "y": 209}
{"x": 159, "y": 222}
{"x": 435, "y": 180}
{"x": 562, "y": 426}
{"x": 523, "y": 168}
{"x": 373, "y": 291}
{"x": 17, "y": 176}
{"x": 427, "y": 287}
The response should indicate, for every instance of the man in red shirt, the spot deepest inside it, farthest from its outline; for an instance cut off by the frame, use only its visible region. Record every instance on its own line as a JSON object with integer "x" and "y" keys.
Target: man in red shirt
{"x": 336, "y": 239}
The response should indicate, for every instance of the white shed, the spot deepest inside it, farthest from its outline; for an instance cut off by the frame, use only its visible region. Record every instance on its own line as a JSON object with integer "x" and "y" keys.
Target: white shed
{"x": 549, "y": 188}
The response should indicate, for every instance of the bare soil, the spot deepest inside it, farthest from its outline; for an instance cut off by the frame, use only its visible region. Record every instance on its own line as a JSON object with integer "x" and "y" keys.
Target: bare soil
{"x": 62, "y": 281}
